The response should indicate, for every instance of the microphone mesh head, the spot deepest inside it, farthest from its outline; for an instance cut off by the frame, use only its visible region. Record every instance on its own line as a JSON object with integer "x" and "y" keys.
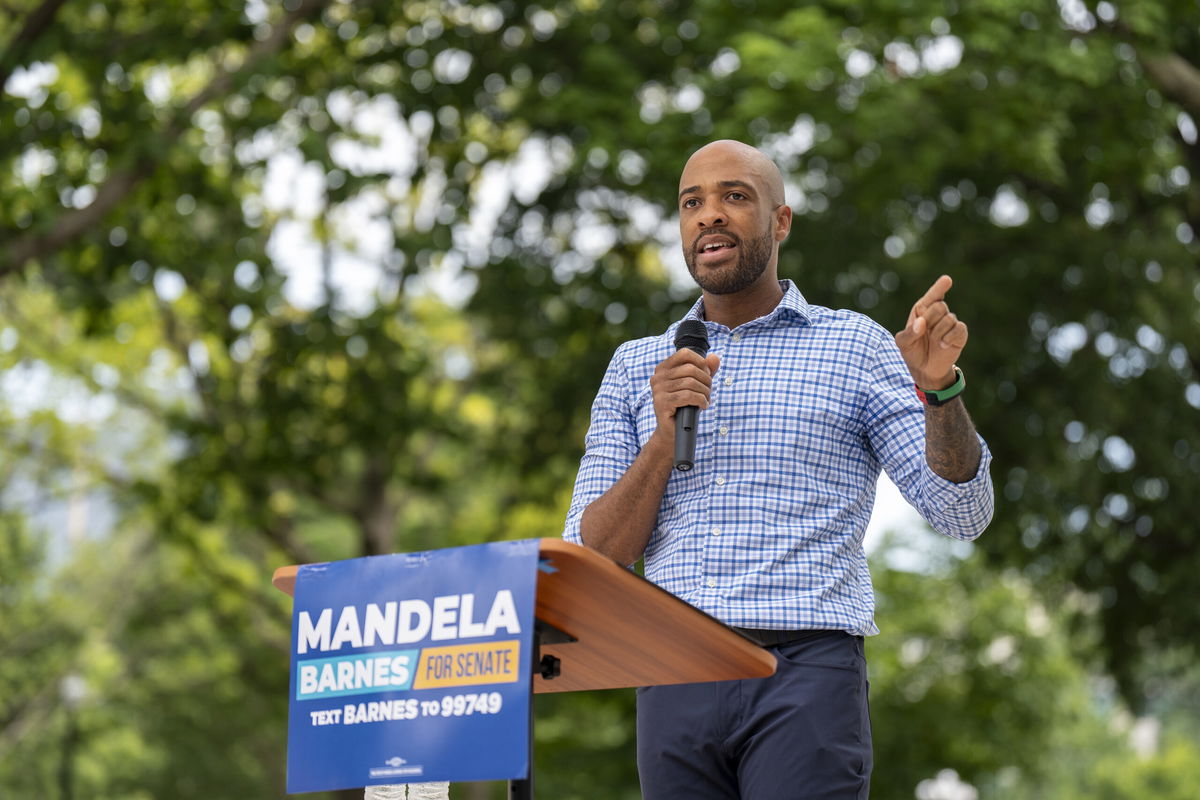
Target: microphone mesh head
{"x": 692, "y": 334}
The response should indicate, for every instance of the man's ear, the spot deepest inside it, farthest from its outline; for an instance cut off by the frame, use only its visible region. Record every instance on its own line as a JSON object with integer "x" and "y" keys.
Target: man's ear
{"x": 783, "y": 222}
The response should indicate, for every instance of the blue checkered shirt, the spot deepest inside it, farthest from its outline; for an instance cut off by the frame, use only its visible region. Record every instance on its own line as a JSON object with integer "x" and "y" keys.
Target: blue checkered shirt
{"x": 767, "y": 530}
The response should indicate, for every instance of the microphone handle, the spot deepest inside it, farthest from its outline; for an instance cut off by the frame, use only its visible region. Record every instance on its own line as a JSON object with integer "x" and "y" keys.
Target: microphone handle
{"x": 685, "y": 437}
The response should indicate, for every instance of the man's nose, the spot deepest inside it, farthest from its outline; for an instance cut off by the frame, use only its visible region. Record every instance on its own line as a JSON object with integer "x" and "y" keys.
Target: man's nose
{"x": 713, "y": 216}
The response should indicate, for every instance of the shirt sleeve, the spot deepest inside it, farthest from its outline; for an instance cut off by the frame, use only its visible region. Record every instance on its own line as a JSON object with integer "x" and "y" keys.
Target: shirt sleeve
{"x": 896, "y": 430}
{"x": 610, "y": 447}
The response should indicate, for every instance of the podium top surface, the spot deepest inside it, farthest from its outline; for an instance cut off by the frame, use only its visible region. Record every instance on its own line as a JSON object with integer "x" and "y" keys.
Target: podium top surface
{"x": 628, "y": 631}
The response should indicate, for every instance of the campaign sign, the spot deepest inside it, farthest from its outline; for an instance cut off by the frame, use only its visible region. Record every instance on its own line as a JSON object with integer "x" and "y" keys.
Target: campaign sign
{"x": 412, "y": 668}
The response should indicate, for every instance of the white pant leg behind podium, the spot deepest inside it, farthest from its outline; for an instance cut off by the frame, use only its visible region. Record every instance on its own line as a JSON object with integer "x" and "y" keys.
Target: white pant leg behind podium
{"x": 412, "y": 791}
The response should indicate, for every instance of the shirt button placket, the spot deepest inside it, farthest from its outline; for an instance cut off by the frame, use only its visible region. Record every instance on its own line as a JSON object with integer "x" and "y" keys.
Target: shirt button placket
{"x": 722, "y": 430}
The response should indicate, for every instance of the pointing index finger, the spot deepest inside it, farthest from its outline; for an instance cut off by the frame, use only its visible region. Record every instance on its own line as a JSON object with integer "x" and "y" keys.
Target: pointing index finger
{"x": 934, "y": 293}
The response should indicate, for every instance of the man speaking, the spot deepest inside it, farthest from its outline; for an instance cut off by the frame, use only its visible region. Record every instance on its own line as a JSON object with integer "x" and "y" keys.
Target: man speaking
{"x": 800, "y": 407}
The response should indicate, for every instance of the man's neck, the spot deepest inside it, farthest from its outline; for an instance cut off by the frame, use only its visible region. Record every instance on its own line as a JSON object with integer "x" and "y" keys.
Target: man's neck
{"x": 732, "y": 310}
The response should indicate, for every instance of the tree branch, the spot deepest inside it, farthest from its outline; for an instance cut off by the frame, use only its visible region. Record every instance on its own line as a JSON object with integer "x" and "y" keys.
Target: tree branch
{"x": 205, "y": 392}
{"x": 1173, "y": 74}
{"x": 26, "y": 715}
{"x": 118, "y": 186}
{"x": 282, "y": 535}
{"x": 1176, "y": 78}
{"x": 52, "y": 350}
{"x": 75, "y": 222}
{"x": 35, "y": 25}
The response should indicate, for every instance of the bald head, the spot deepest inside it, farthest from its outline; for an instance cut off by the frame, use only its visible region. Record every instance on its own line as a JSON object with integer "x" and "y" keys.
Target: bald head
{"x": 740, "y": 157}
{"x": 732, "y": 219}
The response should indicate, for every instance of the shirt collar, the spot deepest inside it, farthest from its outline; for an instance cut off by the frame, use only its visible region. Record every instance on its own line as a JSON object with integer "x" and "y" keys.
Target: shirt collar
{"x": 791, "y": 305}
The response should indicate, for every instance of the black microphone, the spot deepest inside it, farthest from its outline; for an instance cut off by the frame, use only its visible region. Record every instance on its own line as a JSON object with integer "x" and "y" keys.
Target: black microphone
{"x": 691, "y": 334}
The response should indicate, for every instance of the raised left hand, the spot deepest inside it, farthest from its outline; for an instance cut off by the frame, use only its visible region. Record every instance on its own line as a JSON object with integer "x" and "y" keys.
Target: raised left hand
{"x": 933, "y": 338}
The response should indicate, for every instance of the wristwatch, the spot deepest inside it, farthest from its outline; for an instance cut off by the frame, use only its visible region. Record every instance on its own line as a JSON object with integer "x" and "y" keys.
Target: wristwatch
{"x": 939, "y": 397}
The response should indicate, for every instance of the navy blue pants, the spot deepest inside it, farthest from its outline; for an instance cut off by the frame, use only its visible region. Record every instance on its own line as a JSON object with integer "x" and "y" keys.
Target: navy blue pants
{"x": 802, "y": 734}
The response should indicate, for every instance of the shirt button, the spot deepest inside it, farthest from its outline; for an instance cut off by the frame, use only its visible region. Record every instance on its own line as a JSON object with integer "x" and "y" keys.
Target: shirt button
{"x": 728, "y": 381}
{"x": 716, "y": 531}
{"x": 720, "y": 480}
{"x": 737, "y": 337}
{"x": 712, "y": 583}
{"x": 724, "y": 430}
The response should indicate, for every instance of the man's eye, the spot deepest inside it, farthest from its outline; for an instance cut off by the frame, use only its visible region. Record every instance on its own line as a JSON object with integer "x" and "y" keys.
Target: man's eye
{"x": 691, "y": 202}
{"x": 736, "y": 196}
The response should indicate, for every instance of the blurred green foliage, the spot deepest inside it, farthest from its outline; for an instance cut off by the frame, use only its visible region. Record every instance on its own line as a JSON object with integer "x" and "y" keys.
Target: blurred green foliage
{"x": 197, "y": 387}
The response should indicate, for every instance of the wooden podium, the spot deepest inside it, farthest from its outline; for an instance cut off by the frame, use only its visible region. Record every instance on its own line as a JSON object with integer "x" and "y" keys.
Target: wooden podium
{"x": 600, "y": 626}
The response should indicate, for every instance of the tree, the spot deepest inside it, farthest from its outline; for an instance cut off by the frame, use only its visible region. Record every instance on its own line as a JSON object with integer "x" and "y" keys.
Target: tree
{"x": 154, "y": 248}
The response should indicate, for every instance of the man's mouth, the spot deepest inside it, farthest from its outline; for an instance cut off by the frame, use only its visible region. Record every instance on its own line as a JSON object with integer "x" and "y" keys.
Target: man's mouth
{"x": 714, "y": 250}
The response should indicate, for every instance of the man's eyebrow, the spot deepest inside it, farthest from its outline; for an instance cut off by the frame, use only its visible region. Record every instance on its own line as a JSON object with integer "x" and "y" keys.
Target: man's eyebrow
{"x": 723, "y": 184}
{"x": 737, "y": 184}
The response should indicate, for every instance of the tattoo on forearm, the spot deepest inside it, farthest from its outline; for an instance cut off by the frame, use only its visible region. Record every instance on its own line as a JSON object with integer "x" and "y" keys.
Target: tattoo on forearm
{"x": 951, "y": 446}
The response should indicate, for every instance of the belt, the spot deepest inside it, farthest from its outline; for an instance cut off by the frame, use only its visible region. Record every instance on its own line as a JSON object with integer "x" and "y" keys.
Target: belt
{"x": 769, "y": 638}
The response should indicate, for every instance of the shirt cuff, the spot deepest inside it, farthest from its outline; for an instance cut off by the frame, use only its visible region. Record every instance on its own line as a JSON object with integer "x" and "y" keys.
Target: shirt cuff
{"x": 946, "y": 499}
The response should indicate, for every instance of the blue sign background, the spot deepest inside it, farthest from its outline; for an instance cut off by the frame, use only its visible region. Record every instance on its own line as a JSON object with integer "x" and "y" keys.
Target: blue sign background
{"x": 473, "y": 732}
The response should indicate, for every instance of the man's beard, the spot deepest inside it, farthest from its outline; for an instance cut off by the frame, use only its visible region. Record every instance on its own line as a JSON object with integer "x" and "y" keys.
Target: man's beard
{"x": 753, "y": 257}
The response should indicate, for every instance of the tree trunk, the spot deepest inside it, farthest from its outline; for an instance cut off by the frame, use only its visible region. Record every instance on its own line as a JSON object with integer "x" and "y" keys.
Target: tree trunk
{"x": 376, "y": 516}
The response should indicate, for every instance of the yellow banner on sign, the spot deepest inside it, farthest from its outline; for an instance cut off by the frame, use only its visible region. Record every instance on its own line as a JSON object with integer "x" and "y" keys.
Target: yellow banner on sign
{"x": 468, "y": 665}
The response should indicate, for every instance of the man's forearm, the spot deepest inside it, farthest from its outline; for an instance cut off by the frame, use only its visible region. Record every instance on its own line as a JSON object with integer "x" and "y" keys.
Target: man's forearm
{"x": 951, "y": 446}
{"x": 619, "y": 522}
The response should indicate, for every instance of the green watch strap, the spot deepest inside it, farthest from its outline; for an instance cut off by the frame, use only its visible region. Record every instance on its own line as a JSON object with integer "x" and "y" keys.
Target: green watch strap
{"x": 937, "y": 397}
